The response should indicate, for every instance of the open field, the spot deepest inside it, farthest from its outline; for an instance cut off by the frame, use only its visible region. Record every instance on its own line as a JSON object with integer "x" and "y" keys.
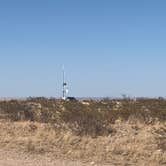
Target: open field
{"x": 108, "y": 132}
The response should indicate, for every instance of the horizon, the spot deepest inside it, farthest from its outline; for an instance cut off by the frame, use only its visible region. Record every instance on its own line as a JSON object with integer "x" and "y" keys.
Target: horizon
{"x": 84, "y": 98}
{"x": 109, "y": 48}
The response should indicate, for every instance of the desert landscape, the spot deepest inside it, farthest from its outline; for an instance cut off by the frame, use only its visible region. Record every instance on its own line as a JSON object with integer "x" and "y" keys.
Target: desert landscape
{"x": 82, "y": 83}
{"x": 41, "y": 131}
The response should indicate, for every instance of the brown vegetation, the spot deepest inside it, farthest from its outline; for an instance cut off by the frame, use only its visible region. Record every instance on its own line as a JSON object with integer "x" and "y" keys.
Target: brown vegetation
{"x": 118, "y": 132}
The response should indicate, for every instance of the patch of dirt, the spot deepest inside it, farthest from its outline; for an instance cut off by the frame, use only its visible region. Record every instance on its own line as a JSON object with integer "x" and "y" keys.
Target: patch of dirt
{"x": 14, "y": 158}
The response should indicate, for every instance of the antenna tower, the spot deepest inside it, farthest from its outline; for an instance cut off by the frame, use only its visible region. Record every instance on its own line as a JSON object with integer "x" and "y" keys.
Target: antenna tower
{"x": 65, "y": 89}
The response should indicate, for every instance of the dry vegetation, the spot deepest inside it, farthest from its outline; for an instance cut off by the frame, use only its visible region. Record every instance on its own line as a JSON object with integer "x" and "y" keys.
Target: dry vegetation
{"x": 118, "y": 132}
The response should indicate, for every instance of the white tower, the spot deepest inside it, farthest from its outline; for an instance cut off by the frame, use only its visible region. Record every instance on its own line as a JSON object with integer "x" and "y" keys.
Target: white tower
{"x": 65, "y": 89}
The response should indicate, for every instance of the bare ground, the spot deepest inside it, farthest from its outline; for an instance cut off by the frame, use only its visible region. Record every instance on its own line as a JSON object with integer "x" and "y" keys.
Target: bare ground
{"x": 14, "y": 158}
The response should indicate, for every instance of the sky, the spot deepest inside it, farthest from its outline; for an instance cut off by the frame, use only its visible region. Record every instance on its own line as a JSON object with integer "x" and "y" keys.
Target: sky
{"x": 108, "y": 47}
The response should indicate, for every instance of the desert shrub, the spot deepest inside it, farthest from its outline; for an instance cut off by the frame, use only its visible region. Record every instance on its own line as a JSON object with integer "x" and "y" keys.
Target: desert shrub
{"x": 84, "y": 120}
{"x": 93, "y": 119}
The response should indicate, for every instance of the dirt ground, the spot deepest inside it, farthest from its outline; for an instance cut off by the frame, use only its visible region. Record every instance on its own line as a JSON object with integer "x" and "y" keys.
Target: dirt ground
{"x": 13, "y": 158}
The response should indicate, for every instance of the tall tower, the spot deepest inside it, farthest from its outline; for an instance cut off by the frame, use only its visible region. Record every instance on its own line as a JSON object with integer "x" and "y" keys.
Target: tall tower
{"x": 65, "y": 89}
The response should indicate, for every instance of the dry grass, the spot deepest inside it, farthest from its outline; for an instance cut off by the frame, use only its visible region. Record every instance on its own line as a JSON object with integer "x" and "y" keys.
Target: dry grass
{"x": 135, "y": 144}
{"x": 119, "y": 133}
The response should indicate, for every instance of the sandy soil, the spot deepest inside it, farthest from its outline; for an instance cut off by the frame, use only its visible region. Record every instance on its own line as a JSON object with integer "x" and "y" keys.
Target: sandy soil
{"x": 13, "y": 158}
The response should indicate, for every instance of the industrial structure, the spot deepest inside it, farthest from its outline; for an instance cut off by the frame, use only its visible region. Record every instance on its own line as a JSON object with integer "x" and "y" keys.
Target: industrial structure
{"x": 65, "y": 86}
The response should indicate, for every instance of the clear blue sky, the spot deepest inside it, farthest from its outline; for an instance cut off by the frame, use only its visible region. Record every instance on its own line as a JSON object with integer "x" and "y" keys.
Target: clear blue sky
{"x": 109, "y": 47}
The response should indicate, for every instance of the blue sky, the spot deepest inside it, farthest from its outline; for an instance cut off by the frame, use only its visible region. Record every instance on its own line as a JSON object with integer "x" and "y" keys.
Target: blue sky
{"x": 108, "y": 47}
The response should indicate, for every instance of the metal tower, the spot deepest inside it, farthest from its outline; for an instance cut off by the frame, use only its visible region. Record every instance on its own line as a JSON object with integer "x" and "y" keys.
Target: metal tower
{"x": 65, "y": 88}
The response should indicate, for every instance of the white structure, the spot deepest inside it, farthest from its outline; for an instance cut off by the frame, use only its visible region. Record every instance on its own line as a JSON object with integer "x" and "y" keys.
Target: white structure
{"x": 65, "y": 88}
